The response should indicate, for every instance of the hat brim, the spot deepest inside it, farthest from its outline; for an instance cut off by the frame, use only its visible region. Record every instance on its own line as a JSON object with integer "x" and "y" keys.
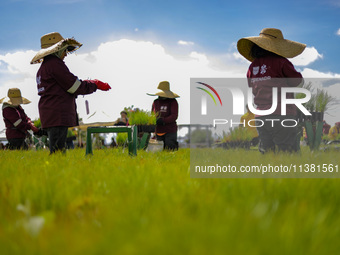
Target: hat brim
{"x": 167, "y": 94}
{"x": 15, "y": 101}
{"x": 63, "y": 44}
{"x": 283, "y": 47}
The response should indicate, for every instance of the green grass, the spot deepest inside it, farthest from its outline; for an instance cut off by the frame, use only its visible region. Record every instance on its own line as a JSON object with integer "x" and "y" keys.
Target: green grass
{"x": 111, "y": 203}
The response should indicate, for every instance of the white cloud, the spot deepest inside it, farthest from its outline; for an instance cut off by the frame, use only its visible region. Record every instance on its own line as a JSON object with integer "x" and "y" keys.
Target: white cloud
{"x": 185, "y": 43}
{"x": 16, "y": 63}
{"x": 308, "y": 56}
{"x": 240, "y": 58}
{"x": 132, "y": 68}
{"x": 310, "y": 73}
{"x": 338, "y": 32}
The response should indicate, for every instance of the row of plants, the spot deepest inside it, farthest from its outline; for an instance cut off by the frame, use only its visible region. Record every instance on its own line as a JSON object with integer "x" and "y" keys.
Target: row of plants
{"x": 236, "y": 138}
{"x": 319, "y": 102}
{"x": 237, "y": 135}
{"x": 326, "y": 138}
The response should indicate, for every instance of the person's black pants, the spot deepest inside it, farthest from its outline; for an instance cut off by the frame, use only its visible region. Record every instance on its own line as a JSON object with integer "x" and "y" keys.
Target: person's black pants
{"x": 57, "y": 138}
{"x": 17, "y": 144}
{"x": 169, "y": 140}
{"x": 273, "y": 134}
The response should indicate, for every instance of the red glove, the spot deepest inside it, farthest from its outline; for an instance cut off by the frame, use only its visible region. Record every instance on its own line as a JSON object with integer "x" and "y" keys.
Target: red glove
{"x": 34, "y": 129}
{"x": 102, "y": 85}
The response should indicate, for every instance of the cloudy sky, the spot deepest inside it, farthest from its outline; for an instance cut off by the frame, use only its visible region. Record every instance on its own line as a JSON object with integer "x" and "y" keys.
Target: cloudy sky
{"x": 135, "y": 44}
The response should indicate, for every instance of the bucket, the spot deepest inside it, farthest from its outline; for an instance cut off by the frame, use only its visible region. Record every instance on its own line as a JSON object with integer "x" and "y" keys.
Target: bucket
{"x": 155, "y": 145}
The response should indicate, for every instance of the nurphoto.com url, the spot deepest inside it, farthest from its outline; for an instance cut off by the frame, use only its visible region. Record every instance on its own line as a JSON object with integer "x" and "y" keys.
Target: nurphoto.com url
{"x": 264, "y": 169}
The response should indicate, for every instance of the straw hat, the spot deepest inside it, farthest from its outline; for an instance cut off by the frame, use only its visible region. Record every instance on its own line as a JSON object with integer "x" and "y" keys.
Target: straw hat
{"x": 166, "y": 92}
{"x": 270, "y": 39}
{"x": 14, "y": 98}
{"x": 52, "y": 43}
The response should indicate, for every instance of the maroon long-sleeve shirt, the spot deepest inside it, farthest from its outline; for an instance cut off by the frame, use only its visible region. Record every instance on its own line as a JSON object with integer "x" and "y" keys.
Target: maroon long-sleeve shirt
{"x": 58, "y": 89}
{"x": 168, "y": 110}
{"x": 268, "y": 72}
{"x": 16, "y": 121}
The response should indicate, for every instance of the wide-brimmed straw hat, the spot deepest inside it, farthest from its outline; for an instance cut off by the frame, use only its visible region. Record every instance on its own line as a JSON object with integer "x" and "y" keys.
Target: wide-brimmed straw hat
{"x": 52, "y": 43}
{"x": 14, "y": 98}
{"x": 270, "y": 39}
{"x": 164, "y": 86}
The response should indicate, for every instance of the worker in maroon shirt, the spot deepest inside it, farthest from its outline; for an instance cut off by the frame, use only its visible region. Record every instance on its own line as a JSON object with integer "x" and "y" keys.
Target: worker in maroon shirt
{"x": 16, "y": 121}
{"x": 58, "y": 88}
{"x": 270, "y": 69}
{"x": 166, "y": 108}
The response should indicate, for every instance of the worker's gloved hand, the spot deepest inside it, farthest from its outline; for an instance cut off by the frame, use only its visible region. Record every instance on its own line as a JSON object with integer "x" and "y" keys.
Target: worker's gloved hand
{"x": 40, "y": 132}
{"x": 34, "y": 129}
{"x": 102, "y": 85}
{"x": 160, "y": 122}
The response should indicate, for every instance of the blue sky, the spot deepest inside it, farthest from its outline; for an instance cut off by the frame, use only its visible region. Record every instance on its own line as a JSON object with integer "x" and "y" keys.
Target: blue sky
{"x": 134, "y": 44}
{"x": 212, "y": 25}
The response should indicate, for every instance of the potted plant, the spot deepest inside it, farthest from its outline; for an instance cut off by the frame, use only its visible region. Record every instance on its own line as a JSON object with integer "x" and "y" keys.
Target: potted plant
{"x": 317, "y": 105}
{"x": 146, "y": 124}
{"x": 144, "y": 120}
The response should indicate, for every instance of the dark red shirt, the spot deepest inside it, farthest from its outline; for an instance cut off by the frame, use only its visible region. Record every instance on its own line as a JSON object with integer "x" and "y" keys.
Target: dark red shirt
{"x": 268, "y": 72}
{"x": 168, "y": 110}
{"x": 16, "y": 121}
{"x": 58, "y": 89}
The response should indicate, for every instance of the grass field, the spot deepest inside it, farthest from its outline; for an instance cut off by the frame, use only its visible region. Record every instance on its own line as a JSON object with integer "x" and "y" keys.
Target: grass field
{"x": 111, "y": 203}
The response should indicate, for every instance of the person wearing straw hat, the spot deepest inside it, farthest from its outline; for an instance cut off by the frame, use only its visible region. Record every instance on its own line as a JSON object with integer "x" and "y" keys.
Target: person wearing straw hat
{"x": 58, "y": 88}
{"x": 16, "y": 121}
{"x": 166, "y": 108}
{"x": 270, "y": 68}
